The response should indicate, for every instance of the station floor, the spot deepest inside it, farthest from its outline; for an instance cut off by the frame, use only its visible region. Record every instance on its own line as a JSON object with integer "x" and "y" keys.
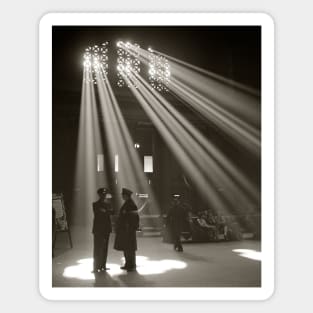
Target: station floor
{"x": 213, "y": 264}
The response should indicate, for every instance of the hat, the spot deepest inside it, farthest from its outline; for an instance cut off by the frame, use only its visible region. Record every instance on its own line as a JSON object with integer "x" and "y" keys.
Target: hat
{"x": 126, "y": 191}
{"x": 102, "y": 191}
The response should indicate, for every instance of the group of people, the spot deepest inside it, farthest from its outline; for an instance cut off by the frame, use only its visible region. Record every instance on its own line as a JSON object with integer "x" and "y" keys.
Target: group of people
{"x": 203, "y": 225}
{"x": 126, "y": 225}
{"x": 215, "y": 224}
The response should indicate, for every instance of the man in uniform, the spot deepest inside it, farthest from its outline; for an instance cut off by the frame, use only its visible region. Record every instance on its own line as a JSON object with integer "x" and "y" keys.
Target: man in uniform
{"x": 126, "y": 226}
{"x": 175, "y": 219}
{"x": 101, "y": 230}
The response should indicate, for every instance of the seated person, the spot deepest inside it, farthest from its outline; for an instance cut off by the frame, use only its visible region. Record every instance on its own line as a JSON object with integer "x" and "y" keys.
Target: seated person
{"x": 222, "y": 225}
{"x": 211, "y": 218}
{"x": 211, "y": 229}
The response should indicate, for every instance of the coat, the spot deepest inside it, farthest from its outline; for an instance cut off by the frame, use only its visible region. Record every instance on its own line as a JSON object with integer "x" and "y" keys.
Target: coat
{"x": 175, "y": 218}
{"x": 126, "y": 225}
{"x": 102, "y": 223}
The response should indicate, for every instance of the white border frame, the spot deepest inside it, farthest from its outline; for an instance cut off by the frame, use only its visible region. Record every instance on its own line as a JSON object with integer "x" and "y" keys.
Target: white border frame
{"x": 45, "y": 154}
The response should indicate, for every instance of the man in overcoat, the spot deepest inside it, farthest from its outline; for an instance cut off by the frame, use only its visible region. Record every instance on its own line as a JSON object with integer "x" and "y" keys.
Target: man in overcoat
{"x": 175, "y": 219}
{"x": 126, "y": 226}
{"x": 101, "y": 230}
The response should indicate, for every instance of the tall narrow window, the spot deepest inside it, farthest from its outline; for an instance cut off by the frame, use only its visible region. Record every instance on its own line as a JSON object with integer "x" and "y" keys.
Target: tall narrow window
{"x": 100, "y": 162}
{"x": 148, "y": 164}
{"x": 116, "y": 163}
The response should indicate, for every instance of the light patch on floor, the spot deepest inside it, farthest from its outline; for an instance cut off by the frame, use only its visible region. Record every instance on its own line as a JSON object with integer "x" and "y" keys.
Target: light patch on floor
{"x": 150, "y": 267}
{"x": 145, "y": 266}
{"x": 250, "y": 254}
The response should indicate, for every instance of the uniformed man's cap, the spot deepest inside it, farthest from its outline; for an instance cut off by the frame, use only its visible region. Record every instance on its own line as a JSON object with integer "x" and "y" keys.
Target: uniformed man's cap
{"x": 176, "y": 195}
{"x": 126, "y": 191}
{"x": 102, "y": 191}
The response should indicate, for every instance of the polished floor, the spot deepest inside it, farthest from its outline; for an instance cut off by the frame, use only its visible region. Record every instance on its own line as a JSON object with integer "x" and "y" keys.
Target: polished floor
{"x": 214, "y": 264}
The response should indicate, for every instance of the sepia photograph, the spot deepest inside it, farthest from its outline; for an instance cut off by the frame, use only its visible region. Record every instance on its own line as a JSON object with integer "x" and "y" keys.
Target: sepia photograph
{"x": 156, "y": 155}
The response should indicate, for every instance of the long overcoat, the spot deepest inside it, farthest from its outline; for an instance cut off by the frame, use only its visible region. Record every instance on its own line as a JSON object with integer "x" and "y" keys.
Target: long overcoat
{"x": 175, "y": 218}
{"x": 126, "y": 225}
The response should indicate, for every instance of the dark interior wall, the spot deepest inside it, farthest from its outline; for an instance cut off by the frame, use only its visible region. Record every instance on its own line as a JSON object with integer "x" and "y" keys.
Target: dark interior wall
{"x": 234, "y": 52}
{"x": 168, "y": 176}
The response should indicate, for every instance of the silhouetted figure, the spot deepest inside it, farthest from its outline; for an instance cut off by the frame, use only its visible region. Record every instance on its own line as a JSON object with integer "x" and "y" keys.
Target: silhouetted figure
{"x": 175, "y": 220}
{"x": 126, "y": 226}
{"x": 101, "y": 230}
{"x": 222, "y": 226}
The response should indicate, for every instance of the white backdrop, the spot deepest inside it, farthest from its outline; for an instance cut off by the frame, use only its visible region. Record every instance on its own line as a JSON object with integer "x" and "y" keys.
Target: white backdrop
{"x": 19, "y": 154}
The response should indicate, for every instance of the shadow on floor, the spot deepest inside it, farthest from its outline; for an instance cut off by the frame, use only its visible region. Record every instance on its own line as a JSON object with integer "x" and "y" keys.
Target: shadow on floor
{"x": 103, "y": 279}
{"x": 134, "y": 279}
{"x": 185, "y": 256}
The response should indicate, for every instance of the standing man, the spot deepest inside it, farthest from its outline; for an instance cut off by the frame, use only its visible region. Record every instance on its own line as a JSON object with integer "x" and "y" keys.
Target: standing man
{"x": 175, "y": 219}
{"x": 126, "y": 226}
{"x": 101, "y": 230}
